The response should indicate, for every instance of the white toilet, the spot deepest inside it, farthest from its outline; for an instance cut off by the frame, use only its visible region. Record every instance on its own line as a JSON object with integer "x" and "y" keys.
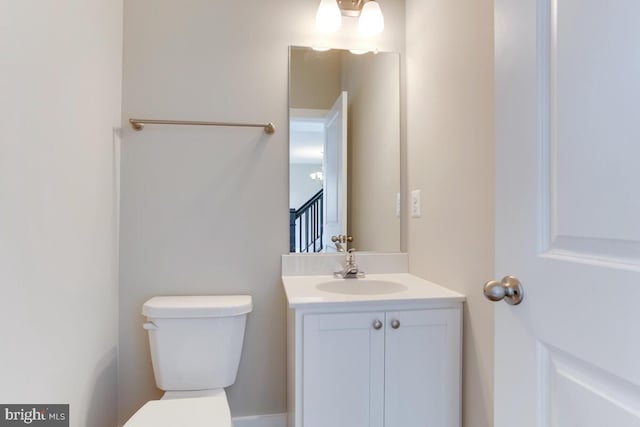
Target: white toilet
{"x": 196, "y": 343}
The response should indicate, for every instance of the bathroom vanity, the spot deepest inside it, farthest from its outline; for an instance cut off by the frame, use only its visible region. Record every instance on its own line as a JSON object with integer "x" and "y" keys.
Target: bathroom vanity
{"x": 380, "y": 351}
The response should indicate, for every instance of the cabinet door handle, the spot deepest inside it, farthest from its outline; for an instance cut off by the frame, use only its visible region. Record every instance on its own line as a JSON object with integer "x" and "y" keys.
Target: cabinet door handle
{"x": 377, "y": 325}
{"x": 395, "y": 323}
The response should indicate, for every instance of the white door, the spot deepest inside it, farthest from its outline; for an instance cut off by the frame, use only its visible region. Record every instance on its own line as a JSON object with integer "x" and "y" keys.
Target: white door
{"x": 568, "y": 212}
{"x": 335, "y": 172}
{"x": 343, "y": 370}
{"x": 422, "y": 368}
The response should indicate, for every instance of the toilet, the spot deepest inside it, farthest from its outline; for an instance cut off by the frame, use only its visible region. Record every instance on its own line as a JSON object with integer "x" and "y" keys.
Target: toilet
{"x": 196, "y": 343}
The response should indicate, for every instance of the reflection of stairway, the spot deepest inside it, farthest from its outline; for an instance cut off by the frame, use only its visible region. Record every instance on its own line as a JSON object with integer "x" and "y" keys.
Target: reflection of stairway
{"x": 305, "y": 226}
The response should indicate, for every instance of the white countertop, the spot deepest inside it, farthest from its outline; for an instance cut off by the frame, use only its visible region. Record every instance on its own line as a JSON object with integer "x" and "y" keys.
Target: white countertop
{"x": 302, "y": 291}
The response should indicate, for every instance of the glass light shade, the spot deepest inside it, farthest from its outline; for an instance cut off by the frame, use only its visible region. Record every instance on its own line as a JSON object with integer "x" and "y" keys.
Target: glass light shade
{"x": 316, "y": 176}
{"x": 328, "y": 17}
{"x": 371, "y": 20}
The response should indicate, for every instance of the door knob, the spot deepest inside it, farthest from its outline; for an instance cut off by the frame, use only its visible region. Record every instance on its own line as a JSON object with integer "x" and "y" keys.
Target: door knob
{"x": 509, "y": 289}
{"x": 377, "y": 325}
{"x": 395, "y": 323}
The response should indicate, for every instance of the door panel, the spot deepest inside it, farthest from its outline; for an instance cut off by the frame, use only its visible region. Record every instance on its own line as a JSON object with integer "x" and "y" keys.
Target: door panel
{"x": 592, "y": 86}
{"x": 584, "y": 395}
{"x": 567, "y": 140}
{"x": 422, "y": 369}
{"x": 335, "y": 172}
{"x": 343, "y": 370}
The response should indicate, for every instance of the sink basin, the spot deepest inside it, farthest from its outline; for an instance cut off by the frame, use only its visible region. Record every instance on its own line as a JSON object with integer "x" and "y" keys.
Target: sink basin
{"x": 361, "y": 287}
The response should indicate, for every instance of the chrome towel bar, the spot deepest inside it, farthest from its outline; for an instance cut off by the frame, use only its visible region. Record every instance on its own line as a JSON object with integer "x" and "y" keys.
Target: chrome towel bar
{"x": 138, "y": 124}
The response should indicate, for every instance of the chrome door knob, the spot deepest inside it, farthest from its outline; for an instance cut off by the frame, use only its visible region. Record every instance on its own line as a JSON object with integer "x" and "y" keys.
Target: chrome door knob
{"x": 509, "y": 289}
{"x": 377, "y": 325}
{"x": 395, "y": 323}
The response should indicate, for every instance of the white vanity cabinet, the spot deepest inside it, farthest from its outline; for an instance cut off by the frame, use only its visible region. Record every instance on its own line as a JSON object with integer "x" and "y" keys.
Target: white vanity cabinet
{"x": 375, "y": 365}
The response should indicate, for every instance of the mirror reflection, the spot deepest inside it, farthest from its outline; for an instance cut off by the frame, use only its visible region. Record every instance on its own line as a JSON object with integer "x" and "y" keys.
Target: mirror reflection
{"x": 344, "y": 151}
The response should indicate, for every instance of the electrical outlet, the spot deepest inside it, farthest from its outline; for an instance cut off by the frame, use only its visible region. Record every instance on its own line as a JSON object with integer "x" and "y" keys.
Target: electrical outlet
{"x": 398, "y": 205}
{"x": 416, "y": 209}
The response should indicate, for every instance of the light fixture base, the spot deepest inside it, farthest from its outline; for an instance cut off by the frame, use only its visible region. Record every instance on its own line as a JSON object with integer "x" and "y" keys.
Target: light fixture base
{"x": 351, "y": 8}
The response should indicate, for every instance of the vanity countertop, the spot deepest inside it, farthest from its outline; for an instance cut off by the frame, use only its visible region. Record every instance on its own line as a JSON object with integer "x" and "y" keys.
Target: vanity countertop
{"x": 303, "y": 291}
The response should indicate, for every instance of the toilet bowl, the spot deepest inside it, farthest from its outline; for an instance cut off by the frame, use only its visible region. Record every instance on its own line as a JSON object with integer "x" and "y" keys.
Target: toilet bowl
{"x": 206, "y": 411}
{"x": 196, "y": 344}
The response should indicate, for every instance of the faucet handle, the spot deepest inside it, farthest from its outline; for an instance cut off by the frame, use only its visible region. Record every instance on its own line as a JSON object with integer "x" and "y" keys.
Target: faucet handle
{"x": 341, "y": 238}
{"x": 351, "y": 250}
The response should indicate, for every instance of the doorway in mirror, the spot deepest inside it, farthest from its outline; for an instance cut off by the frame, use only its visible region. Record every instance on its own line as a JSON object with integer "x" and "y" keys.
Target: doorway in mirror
{"x": 344, "y": 176}
{"x": 318, "y": 177}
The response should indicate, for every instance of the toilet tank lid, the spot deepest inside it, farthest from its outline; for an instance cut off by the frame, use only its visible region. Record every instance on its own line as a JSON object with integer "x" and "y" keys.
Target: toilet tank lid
{"x": 182, "y": 307}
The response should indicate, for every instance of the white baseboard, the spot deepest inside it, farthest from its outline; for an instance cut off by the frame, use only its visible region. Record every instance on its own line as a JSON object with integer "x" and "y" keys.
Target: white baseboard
{"x": 273, "y": 420}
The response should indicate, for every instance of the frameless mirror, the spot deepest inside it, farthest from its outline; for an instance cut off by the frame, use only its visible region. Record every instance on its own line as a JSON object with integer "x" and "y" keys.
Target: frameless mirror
{"x": 344, "y": 150}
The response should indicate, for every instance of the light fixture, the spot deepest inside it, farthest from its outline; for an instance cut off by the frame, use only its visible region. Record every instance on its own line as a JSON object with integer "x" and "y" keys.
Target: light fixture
{"x": 351, "y": 8}
{"x": 328, "y": 17}
{"x": 369, "y": 14}
{"x": 316, "y": 176}
{"x": 371, "y": 20}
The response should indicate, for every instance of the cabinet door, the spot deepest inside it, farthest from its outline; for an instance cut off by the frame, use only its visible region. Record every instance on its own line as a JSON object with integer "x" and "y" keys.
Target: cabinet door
{"x": 343, "y": 370}
{"x": 422, "y": 368}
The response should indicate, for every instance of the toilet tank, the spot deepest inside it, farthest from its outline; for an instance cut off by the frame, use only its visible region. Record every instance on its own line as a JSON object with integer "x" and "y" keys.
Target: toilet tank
{"x": 196, "y": 341}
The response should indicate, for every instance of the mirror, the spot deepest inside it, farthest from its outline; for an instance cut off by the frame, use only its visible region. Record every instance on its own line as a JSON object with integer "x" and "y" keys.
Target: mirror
{"x": 344, "y": 150}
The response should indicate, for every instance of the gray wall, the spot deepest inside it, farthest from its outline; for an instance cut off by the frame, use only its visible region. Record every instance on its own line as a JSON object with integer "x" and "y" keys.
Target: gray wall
{"x": 60, "y": 84}
{"x": 204, "y": 210}
{"x": 314, "y": 81}
{"x": 450, "y": 157}
{"x": 373, "y": 84}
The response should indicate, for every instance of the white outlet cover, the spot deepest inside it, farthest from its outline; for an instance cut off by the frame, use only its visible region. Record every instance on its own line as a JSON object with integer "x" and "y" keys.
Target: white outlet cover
{"x": 398, "y": 205}
{"x": 416, "y": 208}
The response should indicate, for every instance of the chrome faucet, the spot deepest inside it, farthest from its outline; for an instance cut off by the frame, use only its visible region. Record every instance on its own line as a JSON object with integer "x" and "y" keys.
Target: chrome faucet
{"x": 350, "y": 270}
